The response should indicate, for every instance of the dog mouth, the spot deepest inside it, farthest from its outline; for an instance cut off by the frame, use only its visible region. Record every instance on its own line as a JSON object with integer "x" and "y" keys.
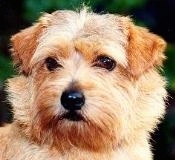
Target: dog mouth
{"x": 72, "y": 116}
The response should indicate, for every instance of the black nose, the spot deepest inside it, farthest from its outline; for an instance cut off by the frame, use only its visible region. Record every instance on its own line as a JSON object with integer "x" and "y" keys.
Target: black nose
{"x": 72, "y": 100}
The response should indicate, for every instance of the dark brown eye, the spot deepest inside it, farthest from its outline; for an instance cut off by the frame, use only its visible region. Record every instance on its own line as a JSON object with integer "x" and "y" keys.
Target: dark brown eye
{"x": 52, "y": 64}
{"x": 105, "y": 62}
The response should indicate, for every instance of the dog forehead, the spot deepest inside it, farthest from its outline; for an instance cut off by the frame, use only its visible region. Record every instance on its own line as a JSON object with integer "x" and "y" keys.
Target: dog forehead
{"x": 84, "y": 24}
{"x": 65, "y": 28}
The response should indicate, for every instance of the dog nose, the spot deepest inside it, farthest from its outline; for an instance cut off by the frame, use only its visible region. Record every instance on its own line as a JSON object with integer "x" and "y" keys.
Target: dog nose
{"x": 72, "y": 100}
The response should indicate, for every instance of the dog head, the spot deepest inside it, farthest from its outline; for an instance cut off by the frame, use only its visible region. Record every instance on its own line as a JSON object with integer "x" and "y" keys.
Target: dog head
{"x": 86, "y": 80}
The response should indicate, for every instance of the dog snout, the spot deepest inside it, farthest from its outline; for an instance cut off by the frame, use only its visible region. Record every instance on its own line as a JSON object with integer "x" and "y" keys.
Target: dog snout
{"x": 72, "y": 100}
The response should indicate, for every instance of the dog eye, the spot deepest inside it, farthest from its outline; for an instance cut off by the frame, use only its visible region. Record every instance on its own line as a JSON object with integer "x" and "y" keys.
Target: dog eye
{"x": 52, "y": 64}
{"x": 105, "y": 62}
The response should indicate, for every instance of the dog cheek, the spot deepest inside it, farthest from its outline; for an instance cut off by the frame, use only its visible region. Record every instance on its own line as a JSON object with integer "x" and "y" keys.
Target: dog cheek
{"x": 19, "y": 93}
{"x": 151, "y": 100}
{"x": 45, "y": 108}
{"x": 106, "y": 111}
{"x": 46, "y": 98}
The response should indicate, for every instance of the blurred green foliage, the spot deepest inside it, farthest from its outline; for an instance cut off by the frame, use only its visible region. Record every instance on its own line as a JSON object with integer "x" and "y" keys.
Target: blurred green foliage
{"x": 5, "y": 68}
{"x": 169, "y": 66}
{"x": 33, "y": 8}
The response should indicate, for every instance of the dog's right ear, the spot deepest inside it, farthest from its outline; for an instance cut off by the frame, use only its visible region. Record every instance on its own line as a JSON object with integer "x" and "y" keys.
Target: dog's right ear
{"x": 24, "y": 44}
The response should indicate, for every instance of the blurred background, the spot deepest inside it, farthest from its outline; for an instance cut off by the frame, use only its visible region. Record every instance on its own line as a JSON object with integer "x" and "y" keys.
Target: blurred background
{"x": 157, "y": 15}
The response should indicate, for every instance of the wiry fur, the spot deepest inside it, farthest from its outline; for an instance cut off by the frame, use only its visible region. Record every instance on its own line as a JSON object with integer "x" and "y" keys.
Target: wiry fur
{"x": 122, "y": 106}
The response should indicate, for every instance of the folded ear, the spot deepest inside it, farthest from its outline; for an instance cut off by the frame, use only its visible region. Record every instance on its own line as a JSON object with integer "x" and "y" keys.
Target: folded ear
{"x": 145, "y": 50}
{"x": 24, "y": 44}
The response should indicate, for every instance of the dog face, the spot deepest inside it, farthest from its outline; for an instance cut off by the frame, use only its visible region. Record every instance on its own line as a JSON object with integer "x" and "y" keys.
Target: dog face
{"x": 86, "y": 80}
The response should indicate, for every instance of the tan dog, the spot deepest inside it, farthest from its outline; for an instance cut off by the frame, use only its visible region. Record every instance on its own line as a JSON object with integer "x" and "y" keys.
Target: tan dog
{"x": 88, "y": 89}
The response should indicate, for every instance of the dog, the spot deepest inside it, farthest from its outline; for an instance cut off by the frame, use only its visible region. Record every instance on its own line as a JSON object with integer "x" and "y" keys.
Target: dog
{"x": 88, "y": 88}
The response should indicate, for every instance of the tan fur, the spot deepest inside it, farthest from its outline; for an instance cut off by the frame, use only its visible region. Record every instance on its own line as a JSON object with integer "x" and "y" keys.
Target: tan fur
{"x": 122, "y": 107}
{"x": 145, "y": 50}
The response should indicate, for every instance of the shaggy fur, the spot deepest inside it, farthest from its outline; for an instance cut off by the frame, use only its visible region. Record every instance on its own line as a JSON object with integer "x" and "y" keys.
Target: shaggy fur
{"x": 122, "y": 106}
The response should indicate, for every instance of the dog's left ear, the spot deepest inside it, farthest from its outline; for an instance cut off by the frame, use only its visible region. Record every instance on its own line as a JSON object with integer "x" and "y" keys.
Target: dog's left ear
{"x": 145, "y": 50}
{"x": 24, "y": 44}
